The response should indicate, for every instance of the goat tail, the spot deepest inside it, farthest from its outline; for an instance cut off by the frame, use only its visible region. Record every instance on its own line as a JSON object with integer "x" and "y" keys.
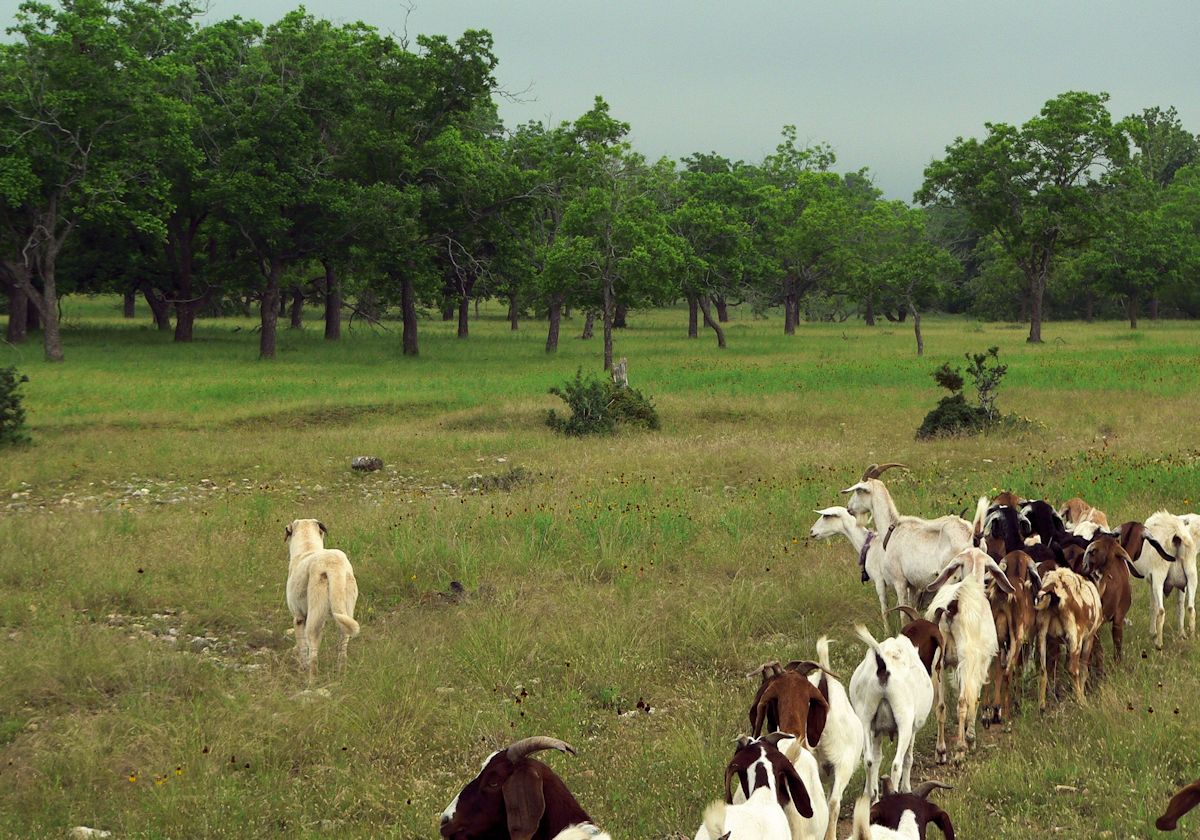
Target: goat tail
{"x": 863, "y": 633}
{"x": 714, "y": 819}
{"x": 823, "y": 653}
{"x": 862, "y": 819}
{"x": 342, "y": 611}
{"x": 981, "y": 509}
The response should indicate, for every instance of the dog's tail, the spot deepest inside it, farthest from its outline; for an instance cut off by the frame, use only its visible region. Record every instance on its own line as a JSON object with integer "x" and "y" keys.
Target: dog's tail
{"x": 337, "y": 602}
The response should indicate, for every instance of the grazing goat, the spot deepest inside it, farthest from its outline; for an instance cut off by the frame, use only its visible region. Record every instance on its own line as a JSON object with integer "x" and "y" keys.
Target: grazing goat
{"x": 1108, "y": 566}
{"x": 1068, "y": 608}
{"x": 771, "y": 799}
{"x": 915, "y": 549}
{"x": 1187, "y": 798}
{"x": 1174, "y": 535}
{"x": 517, "y": 797}
{"x": 837, "y": 521}
{"x": 1004, "y": 530}
{"x": 1014, "y": 619}
{"x": 1044, "y": 520}
{"x": 962, "y": 612}
{"x": 892, "y": 694}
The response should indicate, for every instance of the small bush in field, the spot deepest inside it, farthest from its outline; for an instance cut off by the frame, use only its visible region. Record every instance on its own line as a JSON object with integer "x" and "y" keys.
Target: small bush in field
{"x": 598, "y": 406}
{"x": 953, "y": 415}
{"x": 12, "y": 412}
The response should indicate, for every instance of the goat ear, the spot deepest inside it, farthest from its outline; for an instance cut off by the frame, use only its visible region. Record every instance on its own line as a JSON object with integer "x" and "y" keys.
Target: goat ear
{"x": 793, "y": 788}
{"x": 1182, "y": 802}
{"x": 730, "y": 771}
{"x": 524, "y": 802}
{"x": 946, "y": 574}
{"x": 942, "y": 820}
{"x": 818, "y": 711}
{"x": 1124, "y": 555}
{"x": 998, "y": 576}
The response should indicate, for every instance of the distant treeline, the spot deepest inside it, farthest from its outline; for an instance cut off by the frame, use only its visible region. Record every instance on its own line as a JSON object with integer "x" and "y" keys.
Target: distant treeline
{"x": 214, "y": 168}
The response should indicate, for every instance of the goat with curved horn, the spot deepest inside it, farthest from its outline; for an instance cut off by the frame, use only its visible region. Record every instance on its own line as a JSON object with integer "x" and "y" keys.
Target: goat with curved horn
{"x": 876, "y": 470}
{"x": 925, "y": 788}
{"x": 807, "y": 666}
{"x": 527, "y": 746}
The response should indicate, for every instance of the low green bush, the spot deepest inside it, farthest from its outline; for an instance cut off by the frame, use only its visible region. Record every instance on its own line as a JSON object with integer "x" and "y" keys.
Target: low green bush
{"x": 12, "y": 411}
{"x": 598, "y": 406}
{"x": 953, "y": 415}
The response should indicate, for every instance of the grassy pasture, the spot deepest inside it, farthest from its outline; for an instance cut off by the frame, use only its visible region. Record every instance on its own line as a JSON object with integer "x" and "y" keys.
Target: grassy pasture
{"x": 654, "y": 566}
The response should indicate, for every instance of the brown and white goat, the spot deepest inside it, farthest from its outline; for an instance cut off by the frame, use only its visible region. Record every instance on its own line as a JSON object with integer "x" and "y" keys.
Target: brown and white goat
{"x": 900, "y": 811}
{"x": 787, "y": 702}
{"x": 1184, "y": 800}
{"x": 1068, "y": 608}
{"x": 927, "y": 638}
{"x": 1077, "y": 512}
{"x": 780, "y": 763}
{"x": 1109, "y": 566}
{"x": 1014, "y": 617}
{"x": 516, "y": 797}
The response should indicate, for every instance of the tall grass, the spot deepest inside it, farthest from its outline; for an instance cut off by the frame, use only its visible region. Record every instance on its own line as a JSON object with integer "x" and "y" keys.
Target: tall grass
{"x": 656, "y": 567}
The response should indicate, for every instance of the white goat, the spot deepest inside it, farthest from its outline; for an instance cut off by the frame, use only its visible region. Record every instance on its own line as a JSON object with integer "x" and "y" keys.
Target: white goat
{"x": 758, "y": 818}
{"x": 1175, "y": 535}
{"x": 779, "y": 765}
{"x": 964, "y": 615}
{"x": 892, "y": 694}
{"x": 915, "y": 549}
{"x": 841, "y": 744}
{"x": 837, "y": 521}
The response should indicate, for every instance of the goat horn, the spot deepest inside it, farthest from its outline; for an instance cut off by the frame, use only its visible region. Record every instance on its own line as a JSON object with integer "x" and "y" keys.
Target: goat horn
{"x": 925, "y": 788}
{"x": 773, "y": 667}
{"x": 912, "y": 614}
{"x": 806, "y": 667}
{"x": 537, "y": 743}
{"x": 876, "y": 470}
{"x": 885, "y": 784}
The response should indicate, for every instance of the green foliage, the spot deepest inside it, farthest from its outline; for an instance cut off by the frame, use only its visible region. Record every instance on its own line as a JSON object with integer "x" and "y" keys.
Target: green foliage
{"x": 12, "y": 411}
{"x": 598, "y": 406}
{"x": 953, "y": 415}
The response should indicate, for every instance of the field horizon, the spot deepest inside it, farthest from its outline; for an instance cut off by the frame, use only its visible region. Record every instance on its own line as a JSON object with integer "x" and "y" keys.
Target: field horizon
{"x": 147, "y": 676}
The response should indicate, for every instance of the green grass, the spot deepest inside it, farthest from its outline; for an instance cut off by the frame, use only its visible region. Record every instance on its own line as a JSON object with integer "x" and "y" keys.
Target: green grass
{"x": 654, "y": 566}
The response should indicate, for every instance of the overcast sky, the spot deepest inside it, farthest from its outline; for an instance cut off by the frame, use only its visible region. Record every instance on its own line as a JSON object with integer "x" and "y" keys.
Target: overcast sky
{"x": 888, "y": 83}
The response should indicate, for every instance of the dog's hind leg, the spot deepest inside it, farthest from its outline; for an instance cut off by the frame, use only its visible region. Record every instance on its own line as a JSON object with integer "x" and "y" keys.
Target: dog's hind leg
{"x": 343, "y": 643}
{"x": 318, "y": 614}
{"x": 301, "y": 644}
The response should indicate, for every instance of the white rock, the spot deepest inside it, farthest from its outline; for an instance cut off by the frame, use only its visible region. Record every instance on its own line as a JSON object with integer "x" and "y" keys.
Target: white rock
{"x": 82, "y": 832}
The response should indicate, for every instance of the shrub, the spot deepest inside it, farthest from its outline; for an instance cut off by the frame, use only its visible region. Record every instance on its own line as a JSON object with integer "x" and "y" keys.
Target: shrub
{"x": 598, "y": 405}
{"x": 953, "y": 415}
{"x": 12, "y": 412}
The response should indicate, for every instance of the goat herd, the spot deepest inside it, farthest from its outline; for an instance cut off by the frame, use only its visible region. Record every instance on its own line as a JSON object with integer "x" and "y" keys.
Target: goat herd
{"x": 1021, "y": 580}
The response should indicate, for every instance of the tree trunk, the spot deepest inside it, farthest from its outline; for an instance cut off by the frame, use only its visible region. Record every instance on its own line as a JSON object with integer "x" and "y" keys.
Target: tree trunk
{"x": 297, "y": 322}
{"x": 609, "y": 307}
{"x": 709, "y": 322}
{"x": 464, "y": 312}
{"x": 408, "y": 306}
{"x": 159, "y": 308}
{"x": 333, "y": 304}
{"x": 448, "y": 308}
{"x": 47, "y": 301}
{"x": 870, "y": 314}
{"x": 556, "y": 307}
{"x": 1036, "y": 290}
{"x": 513, "y": 311}
{"x": 1154, "y": 308}
{"x": 1089, "y": 307}
{"x": 722, "y": 308}
{"x": 18, "y": 309}
{"x": 693, "y": 317}
{"x": 790, "y": 308}
{"x": 619, "y": 316}
{"x": 589, "y": 322}
{"x": 269, "y": 310}
{"x": 129, "y": 304}
{"x": 185, "y": 319}
{"x": 917, "y": 328}
{"x": 1131, "y": 309}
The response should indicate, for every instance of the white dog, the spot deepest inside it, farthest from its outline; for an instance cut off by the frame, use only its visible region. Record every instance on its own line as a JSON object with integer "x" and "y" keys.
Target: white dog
{"x": 320, "y": 584}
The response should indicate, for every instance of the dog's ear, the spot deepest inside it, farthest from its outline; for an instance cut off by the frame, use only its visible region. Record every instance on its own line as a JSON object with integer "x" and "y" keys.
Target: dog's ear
{"x": 287, "y": 532}
{"x": 321, "y": 525}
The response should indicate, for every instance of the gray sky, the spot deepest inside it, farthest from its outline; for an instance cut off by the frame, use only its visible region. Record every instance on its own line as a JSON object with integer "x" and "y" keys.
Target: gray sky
{"x": 888, "y": 83}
